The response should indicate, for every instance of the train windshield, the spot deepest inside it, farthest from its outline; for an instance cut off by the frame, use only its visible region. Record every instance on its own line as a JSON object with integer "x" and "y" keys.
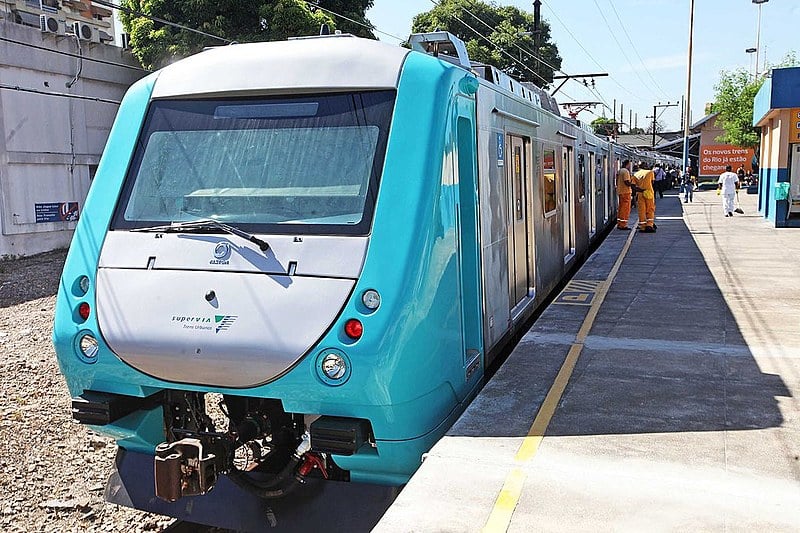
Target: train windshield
{"x": 270, "y": 165}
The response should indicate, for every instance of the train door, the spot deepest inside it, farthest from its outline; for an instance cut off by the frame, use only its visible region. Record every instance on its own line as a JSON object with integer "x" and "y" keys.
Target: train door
{"x": 616, "y": 164}
{"x": 518, "y": 224}
{"x": 592, "y": 193}
{"x": 468, "y": 237}
{"x": 568, "y": 175}
{"x": 606, "y": 181}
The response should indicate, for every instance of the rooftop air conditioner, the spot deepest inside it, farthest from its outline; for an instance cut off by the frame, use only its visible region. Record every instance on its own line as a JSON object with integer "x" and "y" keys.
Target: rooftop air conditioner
{"x": 85, "y": 32}
{"x": 50, "y": 24}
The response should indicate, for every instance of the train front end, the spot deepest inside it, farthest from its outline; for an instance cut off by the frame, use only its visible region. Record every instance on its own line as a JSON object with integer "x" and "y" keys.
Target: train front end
{"x": 262, "y": 293}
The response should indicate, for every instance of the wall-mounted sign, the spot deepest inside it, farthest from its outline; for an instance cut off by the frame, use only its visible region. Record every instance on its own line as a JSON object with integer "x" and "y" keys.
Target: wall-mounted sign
{"x": 56, "y": 212}
{"x": 794, "y": 126}
{"x": 501, "y": 156}
{"x": 715, "y": 157}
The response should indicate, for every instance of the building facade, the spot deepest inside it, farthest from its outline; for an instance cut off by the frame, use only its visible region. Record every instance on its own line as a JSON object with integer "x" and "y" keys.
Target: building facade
{"x": 777, "y": 111}
{"x": 60, "y": 85}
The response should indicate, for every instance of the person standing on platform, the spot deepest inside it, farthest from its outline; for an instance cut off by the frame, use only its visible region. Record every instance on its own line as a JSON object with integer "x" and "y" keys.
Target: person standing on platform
{"x": 624, "y": 193}
{"x": 688, "y": 182}
{"x": 659, "y": 180}
{"x": 645, "y": 198}
{"x": 672, "y": 177}
{"x": 727, "y": 184}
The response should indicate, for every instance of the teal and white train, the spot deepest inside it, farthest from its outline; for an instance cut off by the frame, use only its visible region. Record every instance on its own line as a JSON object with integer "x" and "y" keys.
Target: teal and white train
{"x": 298, "y": 258}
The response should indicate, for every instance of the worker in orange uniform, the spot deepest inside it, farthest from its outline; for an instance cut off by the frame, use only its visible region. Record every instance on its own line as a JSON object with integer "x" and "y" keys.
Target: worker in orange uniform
{"x": 624, "y": 182}
{"x": 646, "y": 198}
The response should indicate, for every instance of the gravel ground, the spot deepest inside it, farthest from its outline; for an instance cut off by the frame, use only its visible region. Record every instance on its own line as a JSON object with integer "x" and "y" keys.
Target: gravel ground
{"x": 52, "y": 470}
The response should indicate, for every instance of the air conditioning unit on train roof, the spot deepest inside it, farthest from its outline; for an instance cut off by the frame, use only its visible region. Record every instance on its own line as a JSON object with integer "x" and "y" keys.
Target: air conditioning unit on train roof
{"x": 50, "y": 24}
{"x": 85, "y": 32}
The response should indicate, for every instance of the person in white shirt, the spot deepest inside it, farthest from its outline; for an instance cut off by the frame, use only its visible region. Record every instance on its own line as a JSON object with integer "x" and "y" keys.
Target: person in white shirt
{"x": 727, "y": 184}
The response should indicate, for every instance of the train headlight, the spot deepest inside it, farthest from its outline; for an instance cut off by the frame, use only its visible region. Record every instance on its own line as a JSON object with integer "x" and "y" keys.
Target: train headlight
{"x": 371, "y": 299}
{"x": 333, "y": 367}
{"x": 83, "y": 284}
{"x": 89, "y": 347}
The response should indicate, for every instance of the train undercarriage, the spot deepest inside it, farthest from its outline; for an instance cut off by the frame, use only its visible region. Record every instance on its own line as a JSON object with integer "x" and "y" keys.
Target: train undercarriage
{"x": 254, "y": 443}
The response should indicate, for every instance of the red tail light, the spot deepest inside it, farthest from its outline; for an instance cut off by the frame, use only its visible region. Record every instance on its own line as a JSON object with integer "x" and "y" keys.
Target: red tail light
{"x": 84, "y": 310}
{"x": 354, "y": 329}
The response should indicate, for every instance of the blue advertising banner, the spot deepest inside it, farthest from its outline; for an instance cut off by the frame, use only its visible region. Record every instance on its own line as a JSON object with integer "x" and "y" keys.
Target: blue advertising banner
{"x": 56, "y": 212}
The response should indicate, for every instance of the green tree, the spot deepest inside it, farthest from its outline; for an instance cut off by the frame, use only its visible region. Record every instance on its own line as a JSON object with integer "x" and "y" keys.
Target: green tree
{"x": 603, "y": 126}
{"x": 355, "y": 11}
{"x": 733, "y": 100}
{"x": 510, "y": 46}
{"x": 156, "y": 44}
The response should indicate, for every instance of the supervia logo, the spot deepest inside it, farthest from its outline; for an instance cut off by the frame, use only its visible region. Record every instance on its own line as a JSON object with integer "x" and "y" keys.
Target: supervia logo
{"x": 224, "y": 322}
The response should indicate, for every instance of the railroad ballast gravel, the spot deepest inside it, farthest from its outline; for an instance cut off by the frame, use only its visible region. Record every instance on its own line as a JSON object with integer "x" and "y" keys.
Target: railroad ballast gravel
{"x": 52, "y": 470}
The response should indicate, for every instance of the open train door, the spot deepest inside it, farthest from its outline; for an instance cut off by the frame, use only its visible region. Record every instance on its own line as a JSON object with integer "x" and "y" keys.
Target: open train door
{"x": 593, "y": 190}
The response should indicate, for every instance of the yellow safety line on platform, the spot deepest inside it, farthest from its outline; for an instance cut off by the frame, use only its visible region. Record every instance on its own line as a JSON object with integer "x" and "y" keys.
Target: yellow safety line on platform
{"x": 507, "y": 500}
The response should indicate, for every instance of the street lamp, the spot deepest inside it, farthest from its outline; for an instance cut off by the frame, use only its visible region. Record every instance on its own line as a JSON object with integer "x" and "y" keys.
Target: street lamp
{"x": 752, "y": 51}
{"x": 758, "y": 31}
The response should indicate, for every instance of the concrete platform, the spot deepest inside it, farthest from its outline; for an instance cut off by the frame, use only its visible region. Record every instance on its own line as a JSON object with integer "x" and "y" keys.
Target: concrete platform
{"x": 675, "y": 407}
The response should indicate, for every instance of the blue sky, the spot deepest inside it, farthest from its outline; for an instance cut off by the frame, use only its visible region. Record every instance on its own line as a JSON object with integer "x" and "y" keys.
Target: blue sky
{"x": 655, "y": 69}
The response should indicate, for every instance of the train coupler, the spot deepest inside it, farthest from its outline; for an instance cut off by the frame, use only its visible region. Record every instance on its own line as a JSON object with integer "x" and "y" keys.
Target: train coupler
{"x": 312, "y": 461}
{"x": 185, "y": 468}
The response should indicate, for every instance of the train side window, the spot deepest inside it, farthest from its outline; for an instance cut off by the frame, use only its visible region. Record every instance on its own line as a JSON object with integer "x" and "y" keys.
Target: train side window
{"x": 581, "y": 177}
{"x": 549, "y": 181}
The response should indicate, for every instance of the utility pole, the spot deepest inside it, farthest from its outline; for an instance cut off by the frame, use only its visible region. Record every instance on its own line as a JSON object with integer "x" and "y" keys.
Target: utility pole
{"x": 537, "y": 32}
{"x": 687, "y": 110}
{"x": 615, "y": 109}
{"x": 655, "y": 117}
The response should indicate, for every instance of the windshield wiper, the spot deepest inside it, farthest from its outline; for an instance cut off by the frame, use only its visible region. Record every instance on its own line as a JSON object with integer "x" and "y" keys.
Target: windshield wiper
{"x": 205, "y": 224}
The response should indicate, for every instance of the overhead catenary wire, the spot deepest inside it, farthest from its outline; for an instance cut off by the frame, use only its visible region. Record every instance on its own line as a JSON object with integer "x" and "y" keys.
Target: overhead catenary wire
{"x": 569, "y": 32}
{"x": 57, "y": 94}
{"x": 504, "y": 51}
{"x": 71, "y": 54}
{"x": 229, "y": 41}
{"x": 635, "y": 50}
{"x": 531, "y": 53}
{"x": 160, "y": 20}
{"x": 368, "y": 26}
{"x": 619, "y": 45}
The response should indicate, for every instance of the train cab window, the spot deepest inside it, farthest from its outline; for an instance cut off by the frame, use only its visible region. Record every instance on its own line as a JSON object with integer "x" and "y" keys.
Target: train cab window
{"x": 300, "y": 164}
{"x": 549, "y": 181}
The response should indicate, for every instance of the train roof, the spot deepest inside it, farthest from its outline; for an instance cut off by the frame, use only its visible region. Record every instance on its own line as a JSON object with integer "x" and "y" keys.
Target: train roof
{"x": 334, "y": 62}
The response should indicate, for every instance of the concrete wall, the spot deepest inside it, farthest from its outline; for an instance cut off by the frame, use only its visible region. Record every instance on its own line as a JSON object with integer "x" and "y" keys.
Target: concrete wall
{"x": 52, "y": 135}
{"x": 774, "y": 166}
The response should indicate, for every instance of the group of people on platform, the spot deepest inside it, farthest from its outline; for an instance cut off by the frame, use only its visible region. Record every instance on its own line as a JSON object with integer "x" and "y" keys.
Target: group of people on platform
{"x": 639, "y": 180}
{"x": 638, "y": 186}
